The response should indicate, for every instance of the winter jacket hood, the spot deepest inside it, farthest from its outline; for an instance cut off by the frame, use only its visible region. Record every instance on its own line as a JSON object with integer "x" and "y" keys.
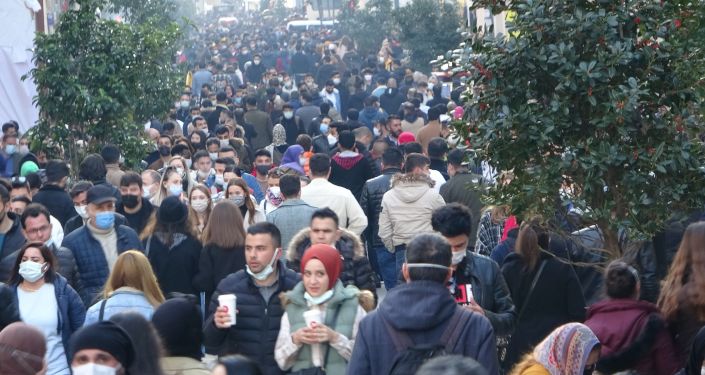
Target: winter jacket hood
{"x": 301, "y": 242}
{"x": 347, "y": 162}
{"x": 426, "y": 304}
{"x": 411, "y": 186}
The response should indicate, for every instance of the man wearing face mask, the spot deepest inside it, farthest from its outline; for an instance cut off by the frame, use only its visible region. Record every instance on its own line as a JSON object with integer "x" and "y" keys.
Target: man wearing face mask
{"x": 10, "y": 229}
{"x": 134, "y": 207}
{"x": 97, "y": 245}
{"x": 372, "y": 114}
{"x": 164, "y": 145}
{"x": 258, "y": 309}
{"x": 292, "y": 124}
{"x": 255, "y": 71}
{"x": 102, "y": 348}
{"x": 349, "y": 168}
{"x": 476, "y": 283}
{"x": 10, "y": 155}
{"x": 331, "y": 95}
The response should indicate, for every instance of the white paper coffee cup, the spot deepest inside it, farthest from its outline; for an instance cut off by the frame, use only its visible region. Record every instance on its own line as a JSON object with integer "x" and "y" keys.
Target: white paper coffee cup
{"x": 229, "y": 301}
{"x": 311, "y": 316}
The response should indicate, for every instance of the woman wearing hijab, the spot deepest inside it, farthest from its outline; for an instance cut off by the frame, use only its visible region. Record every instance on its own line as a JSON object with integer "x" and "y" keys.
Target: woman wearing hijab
{"x": 279, "y": 145}
{"x": 47, "y": 301}
{"x": 22, "y": 350}
{"x": 293, "y": 160}
{"x": 571, "y": 349}
{"x": 325, "y": 341}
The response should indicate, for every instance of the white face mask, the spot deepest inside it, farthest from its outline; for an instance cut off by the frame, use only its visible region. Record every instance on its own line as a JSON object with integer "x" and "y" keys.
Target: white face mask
{"x": 368, "y": 77}
{"x": 288, "y": 115}
{"x": 224, "y": 142}
{"x": 315, "y": 301}
{"x": 200, "y": 205}
{"x": 219, "y": 179}
{"x": 332, "y": 140}
{"x": 376, "y": 132}
{"x": 458, "y": 257}
{"x": 213, "y": 155}
{"x": 81, "y": 211}
{"x": 94, "y": 369}
{"x": 31, "y": 271}
{"x": 302, "y": 161}
{"x": 146, "y": 193}
{"x": 264, "y": 274}
{"x": 336, "y": 81}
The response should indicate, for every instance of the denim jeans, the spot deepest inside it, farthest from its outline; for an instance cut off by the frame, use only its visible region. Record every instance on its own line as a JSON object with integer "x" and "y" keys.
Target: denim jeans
{"x": 387, "y": 266}
{"x": 400, "y": 255}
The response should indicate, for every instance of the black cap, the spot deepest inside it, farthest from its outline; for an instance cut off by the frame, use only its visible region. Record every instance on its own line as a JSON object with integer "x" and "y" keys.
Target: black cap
{"x": 456, "y": 157}
{"x": 100, "y": 194}
{"x": 172, "y": 211}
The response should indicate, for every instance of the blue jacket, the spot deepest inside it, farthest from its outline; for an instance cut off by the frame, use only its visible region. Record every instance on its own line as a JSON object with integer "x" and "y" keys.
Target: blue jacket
{"x": 90, "y": 259}
{"x": 255, "y": 333}
{"x": 422, "y": 309}
{"x": 123, "y": 299}
{"x": 72, "y": 313}
{"x": 254, "y": 185}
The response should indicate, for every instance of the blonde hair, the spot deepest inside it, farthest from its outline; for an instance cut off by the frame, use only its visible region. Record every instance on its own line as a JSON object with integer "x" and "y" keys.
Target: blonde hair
{"x": 132, "y": 269}
{"x": 685, "y": 282}
{"x": 526, "y": 362}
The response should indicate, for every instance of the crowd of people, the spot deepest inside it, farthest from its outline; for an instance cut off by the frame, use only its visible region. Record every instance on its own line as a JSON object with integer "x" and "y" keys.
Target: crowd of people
{"x": 293, "y": 182}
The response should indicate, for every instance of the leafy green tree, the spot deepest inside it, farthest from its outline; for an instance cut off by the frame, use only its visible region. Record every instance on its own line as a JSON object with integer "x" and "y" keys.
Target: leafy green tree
{"x": 140, "y": 11}
{"x": 99, "y": 81}
{"x": 591, "y": 98}
{"x": 427, "y": 28}
{"x": 368, "y": 26}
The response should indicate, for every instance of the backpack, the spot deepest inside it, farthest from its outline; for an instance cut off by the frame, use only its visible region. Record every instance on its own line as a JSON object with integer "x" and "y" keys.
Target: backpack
{"x": 410, "y": 356}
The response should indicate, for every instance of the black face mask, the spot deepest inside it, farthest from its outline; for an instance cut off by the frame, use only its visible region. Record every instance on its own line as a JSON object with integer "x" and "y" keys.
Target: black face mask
{"x": 164, "y": 150}
{"x": 130, "y": 201}
{"x": 262, "y": 169}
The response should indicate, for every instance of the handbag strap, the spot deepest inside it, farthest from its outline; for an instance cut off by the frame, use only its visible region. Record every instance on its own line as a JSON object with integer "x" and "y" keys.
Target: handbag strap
{"x": 335, "y": 318}
{"x": 531, "y": 289}
{"x": 102, "y": 309}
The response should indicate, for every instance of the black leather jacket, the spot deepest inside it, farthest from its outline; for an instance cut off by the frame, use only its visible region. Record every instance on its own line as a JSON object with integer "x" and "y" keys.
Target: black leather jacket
{"x": 489, "y": 290}
{"x": 371, "y": 203}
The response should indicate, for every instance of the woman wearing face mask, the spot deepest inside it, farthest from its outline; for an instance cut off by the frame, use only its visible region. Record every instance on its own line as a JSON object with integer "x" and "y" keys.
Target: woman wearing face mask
{"x": 571, "y": 349}
{"x": 171, "y": 243}
{"x": 279, "y": 144}
{"x": 322, "y": 316}
{"x": 224, "y": 247}
{"x": 293, "y": 160}
{"x": 183, "y": 167}
{"x": 239, "y": 193}
{"x": 200, "y": 205}
{"x": 198, "y": 140}
{"x": 47, "y": 301}
{"x": 169, "y": 186}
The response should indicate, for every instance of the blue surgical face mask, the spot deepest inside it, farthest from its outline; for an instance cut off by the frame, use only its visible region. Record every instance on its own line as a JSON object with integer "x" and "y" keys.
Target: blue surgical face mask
{"x": 323, "y": 128}
{"x": 10, "y": 149}
{"x": 104, "y": 219}
{"x": 175, "y": 190}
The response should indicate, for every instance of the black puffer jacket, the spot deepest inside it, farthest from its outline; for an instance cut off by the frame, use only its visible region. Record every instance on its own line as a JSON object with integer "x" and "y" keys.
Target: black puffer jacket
{"x": 356, "y": 267}
{"x": 9, "y": 312}
{"x": 258, "y": 321}
{"x": 176, "y": 265}
{"x": 371, "y": 203}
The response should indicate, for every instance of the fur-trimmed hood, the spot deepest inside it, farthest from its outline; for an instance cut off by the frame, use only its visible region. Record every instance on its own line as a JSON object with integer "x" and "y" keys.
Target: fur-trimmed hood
{"x": 410, "y": 187}
{"x": 348, "y": 241}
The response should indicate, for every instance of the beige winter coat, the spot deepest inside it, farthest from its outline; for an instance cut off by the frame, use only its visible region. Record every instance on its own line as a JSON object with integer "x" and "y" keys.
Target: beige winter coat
{"x": 407, "y": 208}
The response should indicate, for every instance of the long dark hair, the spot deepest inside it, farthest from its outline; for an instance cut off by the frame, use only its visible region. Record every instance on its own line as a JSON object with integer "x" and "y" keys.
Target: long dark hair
{"x": 148, "y": 346}
{"x": 248, "y": 201}
{"x": 49, "y": 275}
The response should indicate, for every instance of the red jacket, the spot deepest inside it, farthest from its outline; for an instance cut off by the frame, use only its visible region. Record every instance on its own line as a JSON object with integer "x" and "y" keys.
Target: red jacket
{"x": 633, "y": 335}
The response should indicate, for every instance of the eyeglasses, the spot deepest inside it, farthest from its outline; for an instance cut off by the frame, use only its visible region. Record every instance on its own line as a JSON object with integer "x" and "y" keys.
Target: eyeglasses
{"x": 42, "y": 229}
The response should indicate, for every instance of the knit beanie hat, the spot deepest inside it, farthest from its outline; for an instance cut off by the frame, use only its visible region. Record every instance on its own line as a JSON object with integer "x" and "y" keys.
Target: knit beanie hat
{"x": 22, "y": 349}
{"x": 329, "y": 256}
{"x": 178, "y": 322}
{"x": 172, "y": 211}
{"x": 106, "y": 336}
{"x": 28, "y": 167}
{"x": 406, "y": 137}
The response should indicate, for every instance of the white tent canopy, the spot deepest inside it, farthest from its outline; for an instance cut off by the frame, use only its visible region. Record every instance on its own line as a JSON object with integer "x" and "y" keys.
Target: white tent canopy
{"x": 16, "y": 43}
